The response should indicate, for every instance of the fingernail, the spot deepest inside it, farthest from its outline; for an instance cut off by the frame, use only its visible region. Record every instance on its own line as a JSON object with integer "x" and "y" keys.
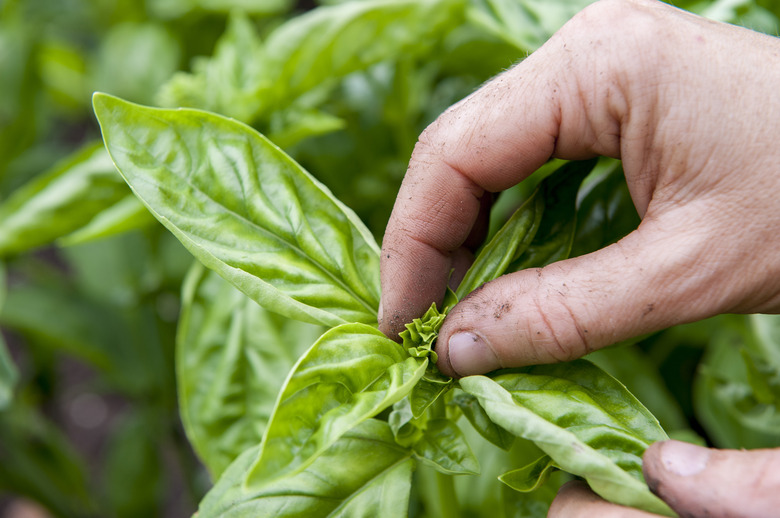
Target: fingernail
{"x": 469, "y": 354}
{"x": 684, "y": 459}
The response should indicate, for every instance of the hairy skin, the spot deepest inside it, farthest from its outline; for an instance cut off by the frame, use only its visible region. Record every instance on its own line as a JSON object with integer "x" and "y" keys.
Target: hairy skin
{"x": 692, "y": 108}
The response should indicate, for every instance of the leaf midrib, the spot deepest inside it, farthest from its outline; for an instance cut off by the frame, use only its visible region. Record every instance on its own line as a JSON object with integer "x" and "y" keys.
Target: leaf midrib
{"x": 262, "y": 230}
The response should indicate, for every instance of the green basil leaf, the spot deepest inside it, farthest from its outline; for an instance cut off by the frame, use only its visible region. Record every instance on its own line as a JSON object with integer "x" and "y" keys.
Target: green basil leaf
{"x": 479, "y": 419}
{"x": 529, "y": 477}
{"x": 508, "y": 243}
{"x": 444, "y": 447}
{"x": 9, "y": 375}
{"x": 583, "y": 419}
{"x": 60, "y": 201}
{"x": 364, "y": 473}
{"x": 606, "y": 211}
{"x": 553, "y": 241}
{"x": 246, "y": 210}
{"x": 427, "y": 391}
{"x": 436, "y": 441}
{"x": 232, "y": 357}
{"x": 125, "y": 215}
{"x": 349, "y": 375}
{"x": 629, "y": 364}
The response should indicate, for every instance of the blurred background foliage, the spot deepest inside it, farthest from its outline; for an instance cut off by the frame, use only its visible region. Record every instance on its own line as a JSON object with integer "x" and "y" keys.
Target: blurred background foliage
{"x": 91, "y": 382}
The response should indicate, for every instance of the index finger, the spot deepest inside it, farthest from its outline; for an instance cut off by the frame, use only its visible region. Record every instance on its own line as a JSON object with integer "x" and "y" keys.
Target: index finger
{"x": 568, "y": 99}
{"x": 486, "y": 143}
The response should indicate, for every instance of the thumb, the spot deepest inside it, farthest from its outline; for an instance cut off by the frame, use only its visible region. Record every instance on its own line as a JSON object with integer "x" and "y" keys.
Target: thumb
{"x": 697, "y": 481}
{"x": 657, "y": 276}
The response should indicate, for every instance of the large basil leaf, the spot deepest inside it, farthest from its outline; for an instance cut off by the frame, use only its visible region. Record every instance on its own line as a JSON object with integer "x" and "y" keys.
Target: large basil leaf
{"x": 583, "y": 419}
{"x": 246, "y": 210}
{"x": 349, "y": 375}
{"x": 365, "y": 473}
{"x": 635, "y": 369}
{"x": 232, "y": 358}
{"x": 60, "y": 201}
{"x": 9, "y": 375}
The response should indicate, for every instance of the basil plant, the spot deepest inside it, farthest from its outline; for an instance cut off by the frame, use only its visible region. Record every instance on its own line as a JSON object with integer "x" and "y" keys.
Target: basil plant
{"x": 296, "y": 403}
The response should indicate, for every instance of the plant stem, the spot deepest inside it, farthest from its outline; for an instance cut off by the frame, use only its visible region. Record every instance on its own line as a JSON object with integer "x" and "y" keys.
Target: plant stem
{"x": 448, "y": 499}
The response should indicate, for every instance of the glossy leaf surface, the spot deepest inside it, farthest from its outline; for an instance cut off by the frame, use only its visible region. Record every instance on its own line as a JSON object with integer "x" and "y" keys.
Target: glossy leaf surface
{"x": 606, "y": 211}
{"x": 476, "y": 415}
{"x": 232, "y": 358}
{"x": 443, "y": 446}
{"x": 508, "y": 243}
{"x": 364, "y": 473}
{"x": 246, "y": 210}
{"x": 529, "y": 477}
{"x": 553, "y": 240}
{"x": 582, "y": 418}
{"x": 349, "y": 375}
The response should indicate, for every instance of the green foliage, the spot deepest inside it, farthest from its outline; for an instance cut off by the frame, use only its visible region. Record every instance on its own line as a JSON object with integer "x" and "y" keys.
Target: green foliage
{"x": 232, "y": 358}
{"x": 8, "y": 372}
{"x": 364, "y": 473}
{"x": 354, "y": 425}
{"x": 585, "y": 421}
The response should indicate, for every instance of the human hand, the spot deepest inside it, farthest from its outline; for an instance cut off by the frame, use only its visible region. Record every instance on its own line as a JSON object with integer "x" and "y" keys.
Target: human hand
{"x": 694, "y": 481}
{"x": 691, "y": 107}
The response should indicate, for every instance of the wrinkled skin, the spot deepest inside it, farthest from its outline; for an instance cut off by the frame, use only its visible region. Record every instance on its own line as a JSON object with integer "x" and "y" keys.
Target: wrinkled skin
{"x": 691, "y": 107}
{"x": 694, "y": 481}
